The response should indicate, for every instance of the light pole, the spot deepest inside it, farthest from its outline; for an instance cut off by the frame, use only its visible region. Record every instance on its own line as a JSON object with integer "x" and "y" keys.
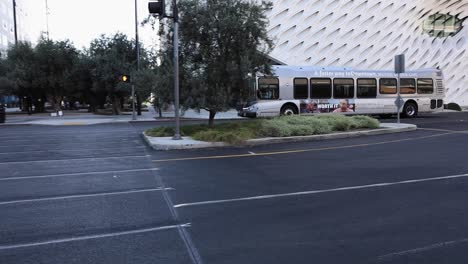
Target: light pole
{"x": 14, "y": 22}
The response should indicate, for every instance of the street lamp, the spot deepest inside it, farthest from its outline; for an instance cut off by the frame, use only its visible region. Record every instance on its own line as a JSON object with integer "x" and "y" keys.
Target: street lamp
{"x": 158, "y": 7}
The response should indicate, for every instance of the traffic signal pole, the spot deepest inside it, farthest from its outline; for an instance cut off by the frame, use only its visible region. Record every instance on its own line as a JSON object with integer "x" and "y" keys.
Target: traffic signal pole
{"x": 176, "y": 70}
{"x": 157, "y": 7}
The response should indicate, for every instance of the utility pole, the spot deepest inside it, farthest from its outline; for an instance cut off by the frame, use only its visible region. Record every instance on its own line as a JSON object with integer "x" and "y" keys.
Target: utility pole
{"x": 47, "y": 18}
{"x": 15, "y": 22}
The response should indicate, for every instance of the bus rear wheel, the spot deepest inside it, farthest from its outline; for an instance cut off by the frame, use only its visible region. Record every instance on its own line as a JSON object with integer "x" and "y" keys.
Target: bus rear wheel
{"x": 288, "y": 110}
{"x": 410, "y": 109}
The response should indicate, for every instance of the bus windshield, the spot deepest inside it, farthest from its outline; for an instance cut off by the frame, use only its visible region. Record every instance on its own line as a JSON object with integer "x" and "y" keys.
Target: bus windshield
{"x": 268, "y": 88}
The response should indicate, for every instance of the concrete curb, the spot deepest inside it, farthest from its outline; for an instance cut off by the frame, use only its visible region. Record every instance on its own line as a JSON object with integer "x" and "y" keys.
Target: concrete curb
{"x": 166, "y": 143}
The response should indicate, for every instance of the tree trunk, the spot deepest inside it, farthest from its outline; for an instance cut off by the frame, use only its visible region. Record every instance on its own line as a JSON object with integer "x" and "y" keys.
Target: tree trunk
{"x": 160, "y": 111}
{"x": 116, "y": 105}
{"x": 138, "y": 102}
{"x": 211, "y": 120}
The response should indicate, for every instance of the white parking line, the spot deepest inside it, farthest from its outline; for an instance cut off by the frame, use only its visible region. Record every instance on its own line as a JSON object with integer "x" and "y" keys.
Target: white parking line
{"x": 68, "y": 150}
{"x": 38, "y": 143}
{"x": 263, "y": 197}
{"x": 80, "y": 238}
{"x": 83, "y": 196}
{"x": 422, "y": 249}
{"x": 74, "y": 174}
{"x": 55, "y": 160}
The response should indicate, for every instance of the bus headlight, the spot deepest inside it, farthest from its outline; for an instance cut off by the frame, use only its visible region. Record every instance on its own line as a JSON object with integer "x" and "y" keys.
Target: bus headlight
{"x": 252, "y": 108}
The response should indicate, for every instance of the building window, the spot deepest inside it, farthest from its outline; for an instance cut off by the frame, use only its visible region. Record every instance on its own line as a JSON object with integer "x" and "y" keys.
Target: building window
{"x": 366, "y": 88}
{"x": 442, "y": 25}
{"x": 301, "y": 88}
{"x": 425, "y": 86}
{"x": 407, "y": 86}
{"x": 268, "y": 88}
{"x": 320, "y": 88}
{"x": 387, "y": 86}
{"x": 343, "y": 88}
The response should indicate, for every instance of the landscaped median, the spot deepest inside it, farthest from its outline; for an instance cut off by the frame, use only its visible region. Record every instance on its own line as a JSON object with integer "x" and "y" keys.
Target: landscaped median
{"x": 274, "y": 130}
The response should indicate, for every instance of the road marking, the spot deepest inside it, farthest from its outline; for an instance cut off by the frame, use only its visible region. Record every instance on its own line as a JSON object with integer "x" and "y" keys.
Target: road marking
{"x": 88, "y": 237}
{"x": 67, "y": 150}
{"x": 74, "y": 123}
{"x": 251, "y": 153}
{"x": 83, "y": 196}
{"x": 74, "y": 174}
{"x": 299, "y": 150}
{"x": 445, "y": 130}
{"x": 422, "y": 249}
{"x": 273, "y": 196}
{"x": 39, "y": 161}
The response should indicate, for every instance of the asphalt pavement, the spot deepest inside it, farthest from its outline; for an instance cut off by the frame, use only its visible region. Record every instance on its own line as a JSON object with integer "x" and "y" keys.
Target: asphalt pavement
{"x": 97, "y": 194}
{"x": 83, "y": 194}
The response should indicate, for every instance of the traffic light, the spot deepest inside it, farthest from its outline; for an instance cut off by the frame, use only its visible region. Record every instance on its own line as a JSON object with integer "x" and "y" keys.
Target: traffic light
{"x": 125, "y": 78}
{"x": 157, "y": 7}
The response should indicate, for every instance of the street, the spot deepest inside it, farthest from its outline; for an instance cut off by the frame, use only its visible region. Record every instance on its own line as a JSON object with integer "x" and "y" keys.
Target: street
{"x": 98, "y": 194}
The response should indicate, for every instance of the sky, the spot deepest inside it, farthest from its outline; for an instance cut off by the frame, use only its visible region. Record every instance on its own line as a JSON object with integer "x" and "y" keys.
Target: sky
{"x": 84, "y": 20}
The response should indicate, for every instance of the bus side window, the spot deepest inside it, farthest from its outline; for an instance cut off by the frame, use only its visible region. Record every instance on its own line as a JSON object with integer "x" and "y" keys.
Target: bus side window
{"x": 407, "y": 86}
{"x": 301, "y": 88}
{"x": 388, "y": 86}
{"x": 366, "y": 88}
{"x": 425, "y": 86}
{"x": 343, "y": 88}
{"x": 320, "y": 88}
{"x": 268, "y": 88}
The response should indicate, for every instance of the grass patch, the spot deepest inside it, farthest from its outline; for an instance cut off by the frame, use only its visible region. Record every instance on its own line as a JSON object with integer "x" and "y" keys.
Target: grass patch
{"x": 285, "y": 126}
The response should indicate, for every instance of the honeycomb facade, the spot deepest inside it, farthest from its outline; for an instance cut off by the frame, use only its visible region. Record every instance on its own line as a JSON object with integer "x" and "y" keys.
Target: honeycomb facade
{"x": 367, "y": 34}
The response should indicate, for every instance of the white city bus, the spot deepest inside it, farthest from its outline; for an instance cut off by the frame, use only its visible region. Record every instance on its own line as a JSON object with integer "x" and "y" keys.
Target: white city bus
{"x": 311, "y": 90}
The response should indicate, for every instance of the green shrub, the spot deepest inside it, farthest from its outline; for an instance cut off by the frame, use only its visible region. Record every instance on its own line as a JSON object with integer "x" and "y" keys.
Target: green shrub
{"x": 277, "y": 127}
{"x": 337, "y": 122}
{"x": 285, "y": 126}
{"x": 364, "y": 122}
{"x": 454, "y": 106}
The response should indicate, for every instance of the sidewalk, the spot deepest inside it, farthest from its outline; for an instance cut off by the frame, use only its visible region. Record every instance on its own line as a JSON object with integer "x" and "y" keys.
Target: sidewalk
{"x": 167, "y": 143}
{"x": 80, "y": 118}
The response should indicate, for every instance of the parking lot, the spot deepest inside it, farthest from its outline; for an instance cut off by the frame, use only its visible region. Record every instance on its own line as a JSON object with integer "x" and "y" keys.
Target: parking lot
{"x": 97, "y": 194}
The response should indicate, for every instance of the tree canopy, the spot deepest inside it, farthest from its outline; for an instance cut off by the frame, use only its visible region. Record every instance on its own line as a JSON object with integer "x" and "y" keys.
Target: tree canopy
{"x": 222, "y": 44}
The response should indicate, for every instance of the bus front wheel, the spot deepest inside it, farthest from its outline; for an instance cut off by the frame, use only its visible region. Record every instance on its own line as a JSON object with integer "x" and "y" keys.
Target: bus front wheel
{"x": 410, "y": 109}
{"x": 289, "y": 110}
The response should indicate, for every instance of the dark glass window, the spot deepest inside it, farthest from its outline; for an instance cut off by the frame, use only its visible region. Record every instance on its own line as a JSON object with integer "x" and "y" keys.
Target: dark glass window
{"x": 343, "y": 88}
{"x": 301, "y": 88}
{"x": 366, "y": 88}
{"x": 442, "y": 25}
{"x": 407, "y": 86}
{"x": 387, "y": 86}
{"x": 268, "y": 88}
{"x": 320, "y": 88}
{"x": 425, "y": 86}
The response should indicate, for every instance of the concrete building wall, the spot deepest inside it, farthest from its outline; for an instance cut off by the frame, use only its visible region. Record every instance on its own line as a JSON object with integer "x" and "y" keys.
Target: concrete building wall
{"x": 7, "y": 31}
{"x": 367, "y": 34}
